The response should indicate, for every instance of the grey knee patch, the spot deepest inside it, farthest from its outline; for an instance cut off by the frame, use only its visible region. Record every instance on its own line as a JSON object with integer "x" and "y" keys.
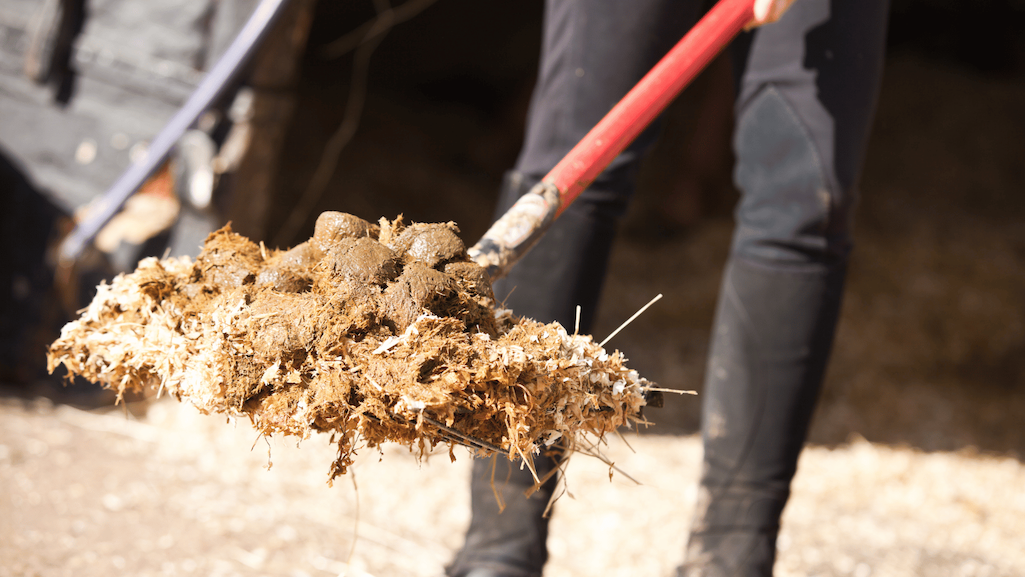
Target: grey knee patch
{"x": 789, "y": 212}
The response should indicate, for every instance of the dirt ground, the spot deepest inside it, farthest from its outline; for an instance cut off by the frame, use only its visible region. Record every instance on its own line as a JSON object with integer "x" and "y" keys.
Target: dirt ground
{"x": 91, "y": 493}
{"x": 915, "y": 463}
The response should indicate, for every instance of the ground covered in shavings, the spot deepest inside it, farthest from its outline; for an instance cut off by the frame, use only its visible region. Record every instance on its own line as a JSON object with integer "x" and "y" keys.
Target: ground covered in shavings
{"x": 371, "y": 332}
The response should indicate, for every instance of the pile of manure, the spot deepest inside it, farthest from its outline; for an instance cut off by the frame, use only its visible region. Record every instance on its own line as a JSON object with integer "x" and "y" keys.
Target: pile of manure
{"x": 370, "y": 332}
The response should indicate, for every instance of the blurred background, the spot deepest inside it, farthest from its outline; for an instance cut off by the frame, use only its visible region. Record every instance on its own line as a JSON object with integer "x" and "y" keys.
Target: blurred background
{"x": 418, "y": 110}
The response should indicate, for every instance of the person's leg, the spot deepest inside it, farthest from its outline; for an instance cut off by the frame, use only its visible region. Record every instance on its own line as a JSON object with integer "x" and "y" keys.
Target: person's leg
{"x": 806, "y": 93}
{"x": 593, "y": 53}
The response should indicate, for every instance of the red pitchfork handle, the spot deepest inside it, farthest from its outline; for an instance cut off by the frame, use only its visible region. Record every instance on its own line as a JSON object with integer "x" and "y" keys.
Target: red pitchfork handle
{"x": 512, "y": 235}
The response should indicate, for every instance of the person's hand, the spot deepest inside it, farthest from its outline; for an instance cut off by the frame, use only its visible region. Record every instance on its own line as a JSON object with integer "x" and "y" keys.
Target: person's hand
{"x": 767, "y": 11}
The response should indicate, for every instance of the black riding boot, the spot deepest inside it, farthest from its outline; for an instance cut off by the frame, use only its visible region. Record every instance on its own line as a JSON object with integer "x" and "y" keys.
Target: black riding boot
{"x": 565, "y": 269}
{"x": 772, "y": 336}
{"x": 509, "y": 542}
